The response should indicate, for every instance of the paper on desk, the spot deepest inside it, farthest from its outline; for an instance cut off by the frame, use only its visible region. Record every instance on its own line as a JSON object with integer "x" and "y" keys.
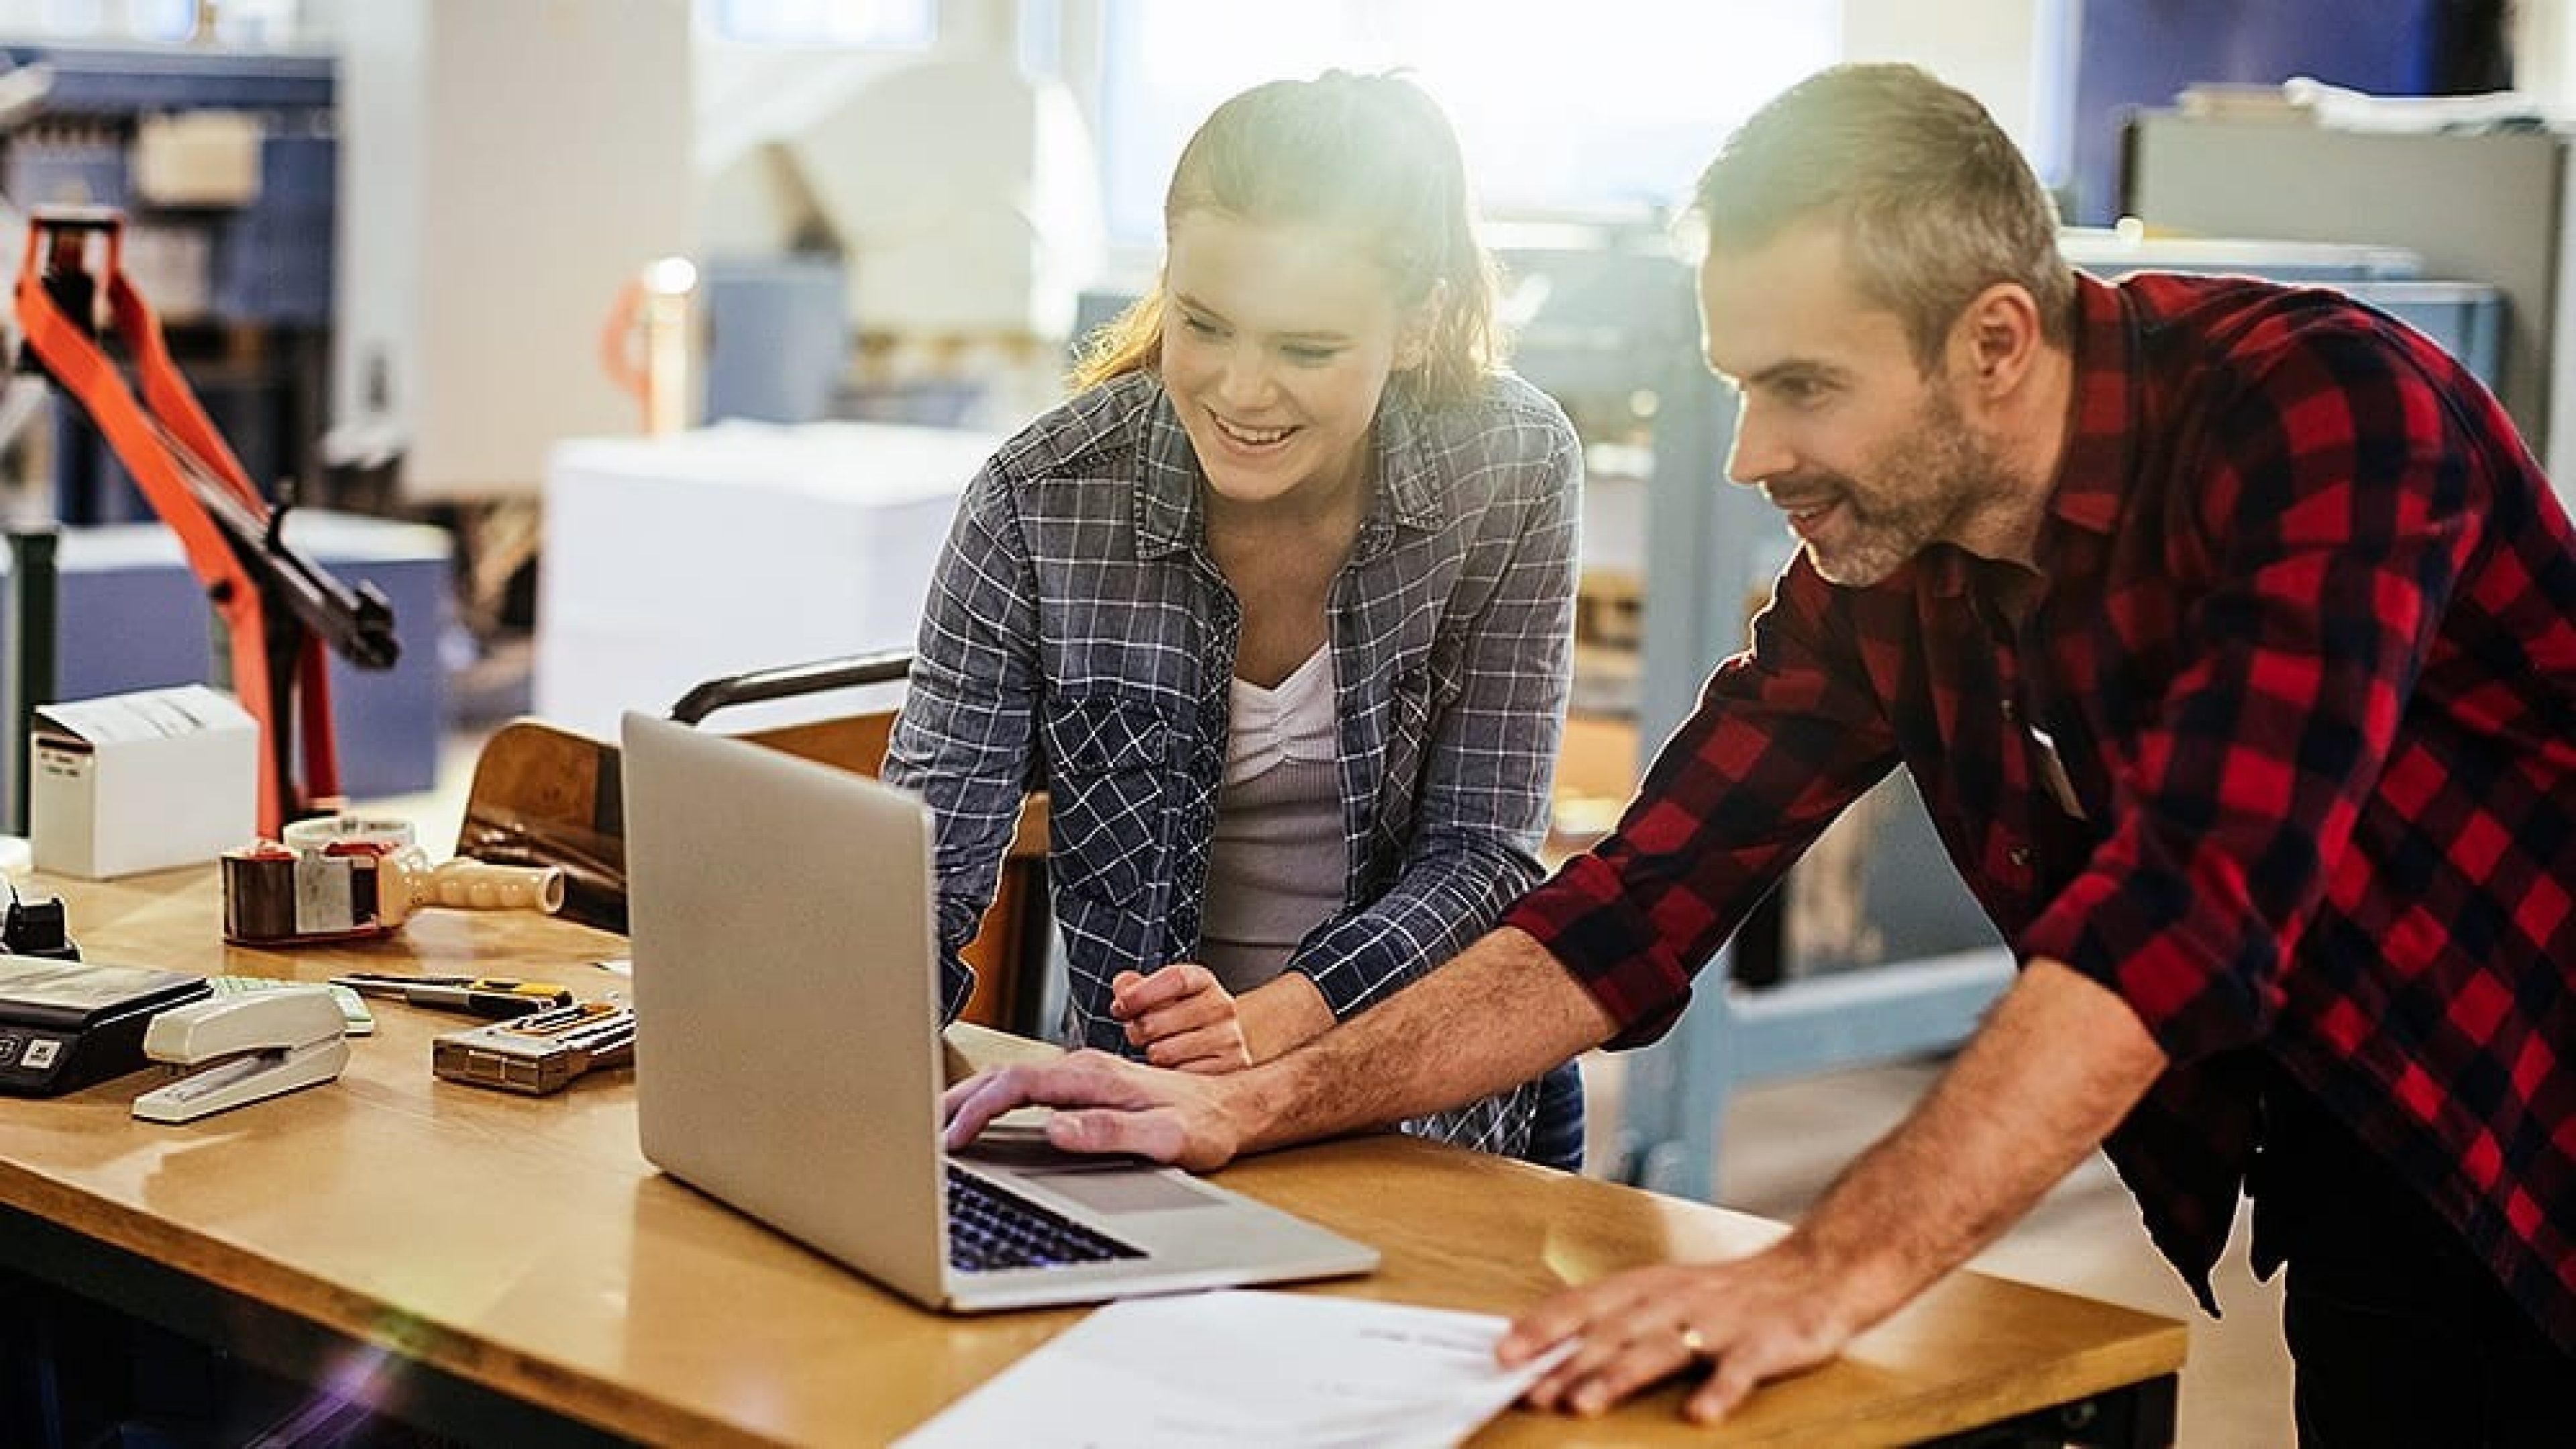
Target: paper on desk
{"x": 1244, "y": 1368}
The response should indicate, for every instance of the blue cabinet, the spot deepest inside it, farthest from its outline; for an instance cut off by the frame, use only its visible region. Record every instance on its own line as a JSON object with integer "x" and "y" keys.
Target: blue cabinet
{"x": 130, "y": 615}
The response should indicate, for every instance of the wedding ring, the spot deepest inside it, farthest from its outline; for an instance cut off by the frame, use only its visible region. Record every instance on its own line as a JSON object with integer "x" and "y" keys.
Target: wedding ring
{"x": 1692, "y": 1343}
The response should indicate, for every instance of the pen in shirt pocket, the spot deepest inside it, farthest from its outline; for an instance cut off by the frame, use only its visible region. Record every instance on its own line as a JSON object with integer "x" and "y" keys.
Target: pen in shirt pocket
{"x": 2052, "y": 773}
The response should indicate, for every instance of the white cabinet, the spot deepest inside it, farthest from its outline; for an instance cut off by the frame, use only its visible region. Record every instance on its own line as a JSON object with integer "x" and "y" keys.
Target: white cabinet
{"x": 505, "y": 168}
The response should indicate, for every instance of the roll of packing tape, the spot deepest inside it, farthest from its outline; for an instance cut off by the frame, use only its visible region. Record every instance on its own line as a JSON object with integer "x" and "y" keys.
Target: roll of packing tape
{"x": 278, "y": 895}
{"x": 321, "y": 833}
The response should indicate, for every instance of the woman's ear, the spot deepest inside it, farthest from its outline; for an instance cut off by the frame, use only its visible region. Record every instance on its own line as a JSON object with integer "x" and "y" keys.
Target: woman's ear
{"x": 1413, "y": 333}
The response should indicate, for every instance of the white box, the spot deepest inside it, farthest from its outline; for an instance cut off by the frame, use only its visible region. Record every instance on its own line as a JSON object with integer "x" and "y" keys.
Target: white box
{"x": 672, "y": 561}
{"x": 136, "y": 782}
{"x": 198, "y": 158}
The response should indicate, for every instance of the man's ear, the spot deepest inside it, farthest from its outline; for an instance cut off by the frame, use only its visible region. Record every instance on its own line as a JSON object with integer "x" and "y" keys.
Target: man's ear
{"x": 1998, "y": 336}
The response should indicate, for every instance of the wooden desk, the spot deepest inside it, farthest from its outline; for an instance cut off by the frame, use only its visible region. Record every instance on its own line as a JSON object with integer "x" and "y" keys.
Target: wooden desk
{"x": 514, "y": 1267}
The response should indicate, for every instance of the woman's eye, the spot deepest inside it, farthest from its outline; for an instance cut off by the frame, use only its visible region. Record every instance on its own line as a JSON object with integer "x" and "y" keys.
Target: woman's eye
{"x": 1310, "y": 356}
{"x": 1201, "y": 327}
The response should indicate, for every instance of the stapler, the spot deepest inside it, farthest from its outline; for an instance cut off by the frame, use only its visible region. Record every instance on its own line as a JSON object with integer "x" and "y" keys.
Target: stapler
{"x": 245, "y": 1048}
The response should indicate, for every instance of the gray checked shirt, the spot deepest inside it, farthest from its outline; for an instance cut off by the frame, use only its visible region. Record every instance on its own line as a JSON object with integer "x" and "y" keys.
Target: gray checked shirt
{"x": 1079, "y": 639}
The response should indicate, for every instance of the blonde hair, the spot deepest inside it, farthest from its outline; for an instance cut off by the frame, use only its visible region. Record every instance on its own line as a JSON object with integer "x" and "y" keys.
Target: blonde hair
{"x": 1934, "y": 201}
{"x": 1371, "y": 153}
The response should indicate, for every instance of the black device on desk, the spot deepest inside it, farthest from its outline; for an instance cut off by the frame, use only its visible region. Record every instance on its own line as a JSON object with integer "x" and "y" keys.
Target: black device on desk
{"x": 35, "y": 928}
{"x": 65, "y": 1025}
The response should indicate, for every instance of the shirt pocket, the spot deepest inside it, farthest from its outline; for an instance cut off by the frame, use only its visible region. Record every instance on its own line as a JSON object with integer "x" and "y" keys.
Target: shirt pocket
{"x": 1108, "y": 769}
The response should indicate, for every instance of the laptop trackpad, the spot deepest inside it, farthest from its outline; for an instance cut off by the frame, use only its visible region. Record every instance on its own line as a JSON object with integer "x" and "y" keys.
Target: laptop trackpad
{"x": 1127, "y": 1192}
{"x": 1112, "y": 1183}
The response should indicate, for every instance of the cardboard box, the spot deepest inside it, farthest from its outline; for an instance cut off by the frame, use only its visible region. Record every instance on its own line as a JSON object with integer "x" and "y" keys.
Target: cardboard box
{"x": 198, "y": 158}
{"x": 137, "y": 782}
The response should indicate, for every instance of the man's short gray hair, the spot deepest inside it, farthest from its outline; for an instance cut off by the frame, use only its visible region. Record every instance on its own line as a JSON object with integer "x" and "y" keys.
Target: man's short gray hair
{"x": 1934, "y": 202}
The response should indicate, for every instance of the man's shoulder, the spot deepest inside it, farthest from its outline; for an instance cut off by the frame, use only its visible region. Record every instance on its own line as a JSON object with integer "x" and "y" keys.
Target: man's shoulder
{"x": 2247, "y": 322}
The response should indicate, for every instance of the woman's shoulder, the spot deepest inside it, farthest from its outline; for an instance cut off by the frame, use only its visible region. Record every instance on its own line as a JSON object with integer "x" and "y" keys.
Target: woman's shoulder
{"x": 1508, "y": 439}
{"x": 1506, "y": 413}
{"x": 1092, "y": 433}
{"x": 1513, "y": 395}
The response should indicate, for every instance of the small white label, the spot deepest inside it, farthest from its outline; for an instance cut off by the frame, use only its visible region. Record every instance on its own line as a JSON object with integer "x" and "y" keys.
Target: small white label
{"x": 323, "y": 901}
{"x": 64, "y": 764}
{"x": 41, "y": 1052}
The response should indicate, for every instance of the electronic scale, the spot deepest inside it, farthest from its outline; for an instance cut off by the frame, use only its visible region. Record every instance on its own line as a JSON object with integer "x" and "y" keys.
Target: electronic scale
{"x": 67, "y": 1024}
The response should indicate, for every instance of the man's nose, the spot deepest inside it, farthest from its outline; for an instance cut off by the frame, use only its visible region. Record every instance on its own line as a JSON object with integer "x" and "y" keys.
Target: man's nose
{"x": 1755, "y": 452}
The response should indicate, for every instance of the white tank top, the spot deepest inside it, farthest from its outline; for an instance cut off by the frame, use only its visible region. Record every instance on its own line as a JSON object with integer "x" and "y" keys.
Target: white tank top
{"x": 1276, "y": 866}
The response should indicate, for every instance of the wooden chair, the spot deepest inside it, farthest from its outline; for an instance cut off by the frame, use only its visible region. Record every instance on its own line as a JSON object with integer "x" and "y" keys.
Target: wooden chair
{"x": 545, "y": 795}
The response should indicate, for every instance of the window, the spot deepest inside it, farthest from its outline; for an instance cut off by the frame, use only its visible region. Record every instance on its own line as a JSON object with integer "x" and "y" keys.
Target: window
{"x": 891, "y": 24}
{"x": 1663, "y": 84}
{"x": 237, "y": 23}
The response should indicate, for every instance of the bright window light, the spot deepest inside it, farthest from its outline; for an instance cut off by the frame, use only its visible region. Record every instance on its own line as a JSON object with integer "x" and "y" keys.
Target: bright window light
{"x": 1659, "y": 84}
{"x": 892, "y": 24}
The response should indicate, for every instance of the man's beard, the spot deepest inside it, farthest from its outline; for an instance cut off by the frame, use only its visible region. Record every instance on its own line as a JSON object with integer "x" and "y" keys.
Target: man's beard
{"x": 1923, "y": 484}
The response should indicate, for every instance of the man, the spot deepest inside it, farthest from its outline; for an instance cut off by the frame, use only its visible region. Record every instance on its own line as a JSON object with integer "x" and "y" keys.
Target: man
{"x": 2230, "y": 634}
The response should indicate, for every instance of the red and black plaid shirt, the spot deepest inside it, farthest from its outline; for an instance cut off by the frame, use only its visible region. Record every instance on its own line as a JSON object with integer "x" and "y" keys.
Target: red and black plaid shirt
{"x": 2305, "y": 642}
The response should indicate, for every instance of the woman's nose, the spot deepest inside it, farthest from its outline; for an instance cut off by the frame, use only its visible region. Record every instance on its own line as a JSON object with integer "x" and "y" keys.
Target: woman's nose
{"x": 1245, "y": 380}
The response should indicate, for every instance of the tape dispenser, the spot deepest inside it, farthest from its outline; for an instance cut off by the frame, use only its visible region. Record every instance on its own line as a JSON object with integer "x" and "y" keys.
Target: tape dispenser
{"x": 348, "y": 878}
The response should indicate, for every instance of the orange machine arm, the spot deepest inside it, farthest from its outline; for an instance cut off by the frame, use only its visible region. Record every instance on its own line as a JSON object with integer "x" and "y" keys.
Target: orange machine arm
{"x": 277, "y": 607}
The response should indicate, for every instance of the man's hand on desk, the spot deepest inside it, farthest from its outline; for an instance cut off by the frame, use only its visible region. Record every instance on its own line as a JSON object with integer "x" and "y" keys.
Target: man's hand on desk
{"x": 1109, "y": 1104}
{"x": 1745, "y": 1322}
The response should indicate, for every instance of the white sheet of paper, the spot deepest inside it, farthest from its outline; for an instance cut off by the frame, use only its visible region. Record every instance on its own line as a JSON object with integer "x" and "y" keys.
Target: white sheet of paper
{"x": 1244, "y": 1368}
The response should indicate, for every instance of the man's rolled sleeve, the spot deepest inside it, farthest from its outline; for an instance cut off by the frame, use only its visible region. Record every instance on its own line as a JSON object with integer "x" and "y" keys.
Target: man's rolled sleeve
{"x": 1584, "y": 920}
{"x": 1785, "y": 736}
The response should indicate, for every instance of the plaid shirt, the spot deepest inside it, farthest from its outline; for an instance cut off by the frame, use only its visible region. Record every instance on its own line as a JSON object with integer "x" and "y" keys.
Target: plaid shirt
{"x": 1079, "y": 638}
{"x": 2304, "y": 640}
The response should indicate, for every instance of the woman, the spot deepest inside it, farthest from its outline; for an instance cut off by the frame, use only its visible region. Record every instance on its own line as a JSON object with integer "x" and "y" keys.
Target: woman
{"x": 1278, "y": 609}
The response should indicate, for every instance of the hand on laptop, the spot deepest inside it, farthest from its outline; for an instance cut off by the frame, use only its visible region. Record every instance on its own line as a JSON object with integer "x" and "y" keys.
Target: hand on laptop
{"x": 1105, "y": 1103}
{"x": 1183, "y": 1017}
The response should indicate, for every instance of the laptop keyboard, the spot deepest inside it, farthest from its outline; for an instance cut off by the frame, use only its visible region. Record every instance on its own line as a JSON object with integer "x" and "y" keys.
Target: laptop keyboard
{"x": 990, "y": 1228}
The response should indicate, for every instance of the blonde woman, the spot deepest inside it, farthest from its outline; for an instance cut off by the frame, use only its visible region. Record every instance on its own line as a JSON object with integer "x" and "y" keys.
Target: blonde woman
{"x": 1277, "y": 608}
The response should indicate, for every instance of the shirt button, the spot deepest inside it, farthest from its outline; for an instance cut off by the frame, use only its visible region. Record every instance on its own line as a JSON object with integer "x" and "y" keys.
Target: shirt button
{"x": 2019, "y": 855}
{"x": 2012, "y": 711}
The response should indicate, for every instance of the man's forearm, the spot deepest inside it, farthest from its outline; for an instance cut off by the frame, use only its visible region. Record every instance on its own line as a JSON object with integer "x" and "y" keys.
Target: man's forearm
{"x": 1499, "y": 1014}
{"x": 1281, "y": 1014}
{"x": 2055, "y": 1067}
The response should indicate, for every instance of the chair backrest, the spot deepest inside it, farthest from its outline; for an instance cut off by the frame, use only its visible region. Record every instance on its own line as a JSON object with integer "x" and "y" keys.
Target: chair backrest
{"x": 545, "y": 795}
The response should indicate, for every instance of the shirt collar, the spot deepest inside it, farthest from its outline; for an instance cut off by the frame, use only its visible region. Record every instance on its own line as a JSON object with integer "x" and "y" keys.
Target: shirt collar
{"x": 2093, "y": 474}
{"x": 1167, "y": 482}
{"x": 1169, "y": 515}
{"x": 2093, "y": 470}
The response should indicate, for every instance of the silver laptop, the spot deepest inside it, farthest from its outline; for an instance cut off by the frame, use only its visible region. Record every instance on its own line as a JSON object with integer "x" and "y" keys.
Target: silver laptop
{"x": 787, "y": 1062}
